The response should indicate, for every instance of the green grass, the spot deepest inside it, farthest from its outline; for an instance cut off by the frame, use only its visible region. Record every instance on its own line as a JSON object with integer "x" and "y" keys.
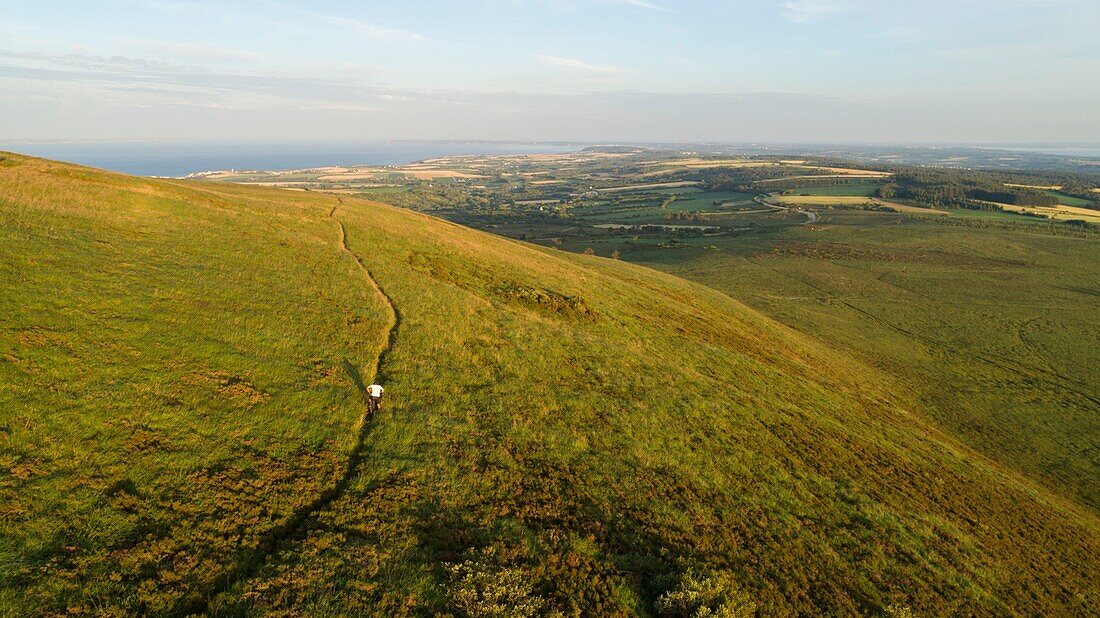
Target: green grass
{"x": 1002, "y": 216}
{"x": 710, "y": 200}
{"x": 1069, "y": 200}
{"x": 583, "y": 430}
{"x": 650, "y": 211}
{"x": 175, "y": 375}
{"x": 995, "y": 329}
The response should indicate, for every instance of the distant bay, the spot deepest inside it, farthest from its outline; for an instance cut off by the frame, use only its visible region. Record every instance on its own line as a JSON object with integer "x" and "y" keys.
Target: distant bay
{"x": 175, "y": 158}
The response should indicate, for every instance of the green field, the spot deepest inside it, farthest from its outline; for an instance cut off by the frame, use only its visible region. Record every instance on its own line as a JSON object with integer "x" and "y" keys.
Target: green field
{"x": 181, "y": 414}
{"x": 648, "y": 209}
{"x": 1069, "y": 200}
{"x": 711, "y": 200}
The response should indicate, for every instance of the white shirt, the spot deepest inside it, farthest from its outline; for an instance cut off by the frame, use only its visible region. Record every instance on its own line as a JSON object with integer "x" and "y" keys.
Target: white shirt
{"x": 375, "y": 390}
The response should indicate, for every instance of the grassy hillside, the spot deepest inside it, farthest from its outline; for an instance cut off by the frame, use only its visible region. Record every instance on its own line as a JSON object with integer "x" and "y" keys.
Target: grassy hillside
{"x": 178, "y": 373}
{"x": 995, "y": 330}
{"x": 180, "y": 396}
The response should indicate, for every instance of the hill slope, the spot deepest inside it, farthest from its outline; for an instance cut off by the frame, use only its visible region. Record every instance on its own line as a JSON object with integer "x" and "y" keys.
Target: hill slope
{"x": 181, "y": 366}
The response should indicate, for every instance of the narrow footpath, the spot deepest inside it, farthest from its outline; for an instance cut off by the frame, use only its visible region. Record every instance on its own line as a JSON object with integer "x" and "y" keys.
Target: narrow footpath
{"x": 271, "y": 541}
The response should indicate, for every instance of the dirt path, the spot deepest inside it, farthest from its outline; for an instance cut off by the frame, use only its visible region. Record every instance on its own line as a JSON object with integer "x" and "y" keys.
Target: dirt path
{"x": 271, "y": 541}
{"x": 393, "y": 319}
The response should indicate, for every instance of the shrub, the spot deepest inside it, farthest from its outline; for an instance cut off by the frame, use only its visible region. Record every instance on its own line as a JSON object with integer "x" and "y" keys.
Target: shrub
{"x": 698, "y": 595}
{"x": 481, "y": 586}
{"x": 546, "y": 300}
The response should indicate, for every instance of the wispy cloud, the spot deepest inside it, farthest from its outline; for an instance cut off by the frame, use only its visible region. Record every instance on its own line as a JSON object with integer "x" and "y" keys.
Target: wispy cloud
{"x": 183, "y": 84}
{"x": 192, "y": 50}
{"x": 805, "y": 11}
{"x": 642, "y": 4}
{"x": 372, "y": 31}
{"x": 573, "y": 63}
{"x": 285, "y": 14}
{"x": 360, "y": 27}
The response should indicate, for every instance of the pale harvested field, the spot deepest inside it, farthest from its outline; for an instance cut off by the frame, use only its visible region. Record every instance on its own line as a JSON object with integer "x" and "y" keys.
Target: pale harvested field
{"x": 703, "y": 166}
{"x": 356, "y": 191}
{"x": 697, "y": 163}
{"x": 823, "y": 176}
{"x": 547, "y": 157}
{"x": 1047, "y": 187}
{"x": 433, "y": 174}
{"x": 849, "y": 200}
{"x": 1058, "y": 213}
{"x": 846, "y": 171}
{"x": 824, "y": 200}
{"x": 565, "y": 156}
{"x": 275, "y": 183}
{"x": 348, "y": 176}
{"x": 671, "y": 167}
{"x": 654, "y": 185}
{"x": 912, "y": 209}
{"x": 664, "y": 171}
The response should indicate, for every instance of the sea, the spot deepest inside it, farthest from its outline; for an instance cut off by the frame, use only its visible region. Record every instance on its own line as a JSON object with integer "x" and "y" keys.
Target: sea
{"x": 176, "y": 158}
{"x": 1088, "y": 152}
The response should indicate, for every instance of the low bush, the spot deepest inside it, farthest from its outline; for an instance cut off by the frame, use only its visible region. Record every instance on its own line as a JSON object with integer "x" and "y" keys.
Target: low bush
{"x": 482, "y": 586}
{"x": 698, "y": 595}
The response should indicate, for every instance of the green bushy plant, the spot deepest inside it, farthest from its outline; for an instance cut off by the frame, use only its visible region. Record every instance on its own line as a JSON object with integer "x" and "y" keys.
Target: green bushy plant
{"x": 699, "y": 595}
{"x": 482, "y": 586}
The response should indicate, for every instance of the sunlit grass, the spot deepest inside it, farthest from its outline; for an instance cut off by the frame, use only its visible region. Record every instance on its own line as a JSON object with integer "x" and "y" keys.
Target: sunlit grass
{"x": 582, "y": 431}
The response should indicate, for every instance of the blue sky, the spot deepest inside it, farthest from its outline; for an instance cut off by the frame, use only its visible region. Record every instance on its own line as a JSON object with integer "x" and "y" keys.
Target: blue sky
{"x": 768, "y": 70}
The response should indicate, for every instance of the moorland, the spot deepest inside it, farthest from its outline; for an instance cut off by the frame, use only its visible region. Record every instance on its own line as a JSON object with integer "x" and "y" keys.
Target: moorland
{"x": 666, "y": 381}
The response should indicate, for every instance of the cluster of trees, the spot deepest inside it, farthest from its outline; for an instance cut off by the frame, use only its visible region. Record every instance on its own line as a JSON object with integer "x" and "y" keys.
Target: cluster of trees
{"x": 742, "y": 178}
{"x": 957, "y": 188}
{"x": 1023, "y": 197}
{"x": 945, "y": 188}
{"x": 783, "y": 185}
{"x": 683, "y": 215}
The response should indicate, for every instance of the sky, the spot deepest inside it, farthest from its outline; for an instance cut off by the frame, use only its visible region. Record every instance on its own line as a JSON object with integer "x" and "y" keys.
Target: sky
{"x": 881, "y": 71}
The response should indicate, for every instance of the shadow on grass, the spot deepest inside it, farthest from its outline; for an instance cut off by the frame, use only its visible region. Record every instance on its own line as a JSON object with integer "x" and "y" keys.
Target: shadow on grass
{"x": 356, "y": 377}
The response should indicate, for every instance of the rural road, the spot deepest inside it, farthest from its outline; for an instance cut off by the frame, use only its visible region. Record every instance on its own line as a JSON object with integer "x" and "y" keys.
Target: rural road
{"x": 811, "y": 216}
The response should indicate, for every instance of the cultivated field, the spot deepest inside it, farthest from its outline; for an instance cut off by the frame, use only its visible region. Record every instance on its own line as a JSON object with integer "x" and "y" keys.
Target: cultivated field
{"x": 1058, "y": 213}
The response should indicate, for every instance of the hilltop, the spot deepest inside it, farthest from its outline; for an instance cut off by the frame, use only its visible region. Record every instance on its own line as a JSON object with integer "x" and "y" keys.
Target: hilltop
{"x": 182, "y": 429}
